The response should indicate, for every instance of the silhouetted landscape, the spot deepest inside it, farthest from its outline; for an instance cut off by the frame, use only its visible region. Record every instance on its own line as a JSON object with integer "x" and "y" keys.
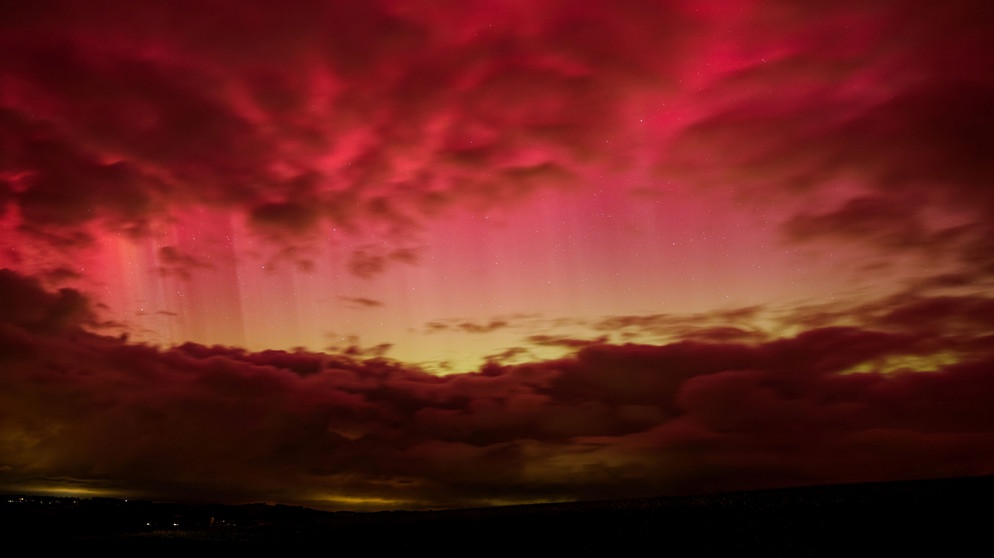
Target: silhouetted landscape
{"x": 950, "y": 516}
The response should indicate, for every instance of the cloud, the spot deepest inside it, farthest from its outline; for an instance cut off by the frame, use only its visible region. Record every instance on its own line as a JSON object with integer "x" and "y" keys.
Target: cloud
{"x": 466, "y": 326}
{"x": 29, "y": 306}
{"x": 508, "y": 355}
{"x": 362, "y": 302}
{"x": 369, "y": 261}
{"x": 867, "y": 122}
{"x": 366, "y": 118}
{"x": 174, "y": 262}
{"x": 470, "y": 327}
{"x": 913, "y": 312}
{"x": 290, "y": 217}
{"x": 868, "y": 139}
{"x": 735, "y": 324}
{"x": 218, "y": 422}
{"x": 953, "y": 314}
{"x": 565, "y": 342}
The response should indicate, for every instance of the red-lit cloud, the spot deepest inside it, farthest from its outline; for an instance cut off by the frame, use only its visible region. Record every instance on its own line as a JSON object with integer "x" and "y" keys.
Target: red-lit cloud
{"x": 367, "y": 117}
{"x": 880, "y": 132}
{"x": 660, "y": 246}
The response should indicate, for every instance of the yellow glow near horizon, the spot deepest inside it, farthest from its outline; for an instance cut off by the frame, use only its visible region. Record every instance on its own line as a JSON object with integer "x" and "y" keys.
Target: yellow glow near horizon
{"x": 67, "y": 490}
{"x": 907, "y": 363}
{"x": 360, "y": 502}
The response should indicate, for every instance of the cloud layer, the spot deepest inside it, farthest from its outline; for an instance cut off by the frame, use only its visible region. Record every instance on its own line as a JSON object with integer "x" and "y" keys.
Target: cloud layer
{"x": 366, "y": 118}
{"x": 832, "y": 404}
{"x": 193, "y": 137}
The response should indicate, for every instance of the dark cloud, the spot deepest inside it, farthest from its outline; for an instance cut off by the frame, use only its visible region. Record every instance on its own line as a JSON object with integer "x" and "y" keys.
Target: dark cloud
{"x": 723, "y": 334}
{"x": 376, "y": 351}
{"x": 508, "y": 355}
{"x": 287, "y": 217}
{"x": 565, "y": 342}
{"x": 875, "y": 219}
{"x": 915, "y": 312}
{"x": 369, "y": 261}
{"x": 362, "y": 302}
{"x": 59, "y": 274}
{"x": 950, "y": 314}
{"x": 174, "y": 262}
{"x": 436, "y": 326}
{"x": 466, "y": 326}
{"x": 28, "y": 305}
{"x": 735, "y": 325}
{"x": 614, "y": 420}
{"x": 470, "y": 327}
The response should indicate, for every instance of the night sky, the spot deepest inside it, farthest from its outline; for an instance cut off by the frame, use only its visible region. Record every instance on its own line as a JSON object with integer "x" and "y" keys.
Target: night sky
{"x": 422, "y": 253}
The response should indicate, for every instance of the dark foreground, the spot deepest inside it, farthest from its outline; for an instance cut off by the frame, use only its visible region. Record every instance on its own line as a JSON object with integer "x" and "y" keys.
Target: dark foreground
{"x": 951, "y": 516}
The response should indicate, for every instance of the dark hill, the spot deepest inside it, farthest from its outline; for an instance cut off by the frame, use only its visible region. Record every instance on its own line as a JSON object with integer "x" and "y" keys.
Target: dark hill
{"x": 948, "y": 516}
